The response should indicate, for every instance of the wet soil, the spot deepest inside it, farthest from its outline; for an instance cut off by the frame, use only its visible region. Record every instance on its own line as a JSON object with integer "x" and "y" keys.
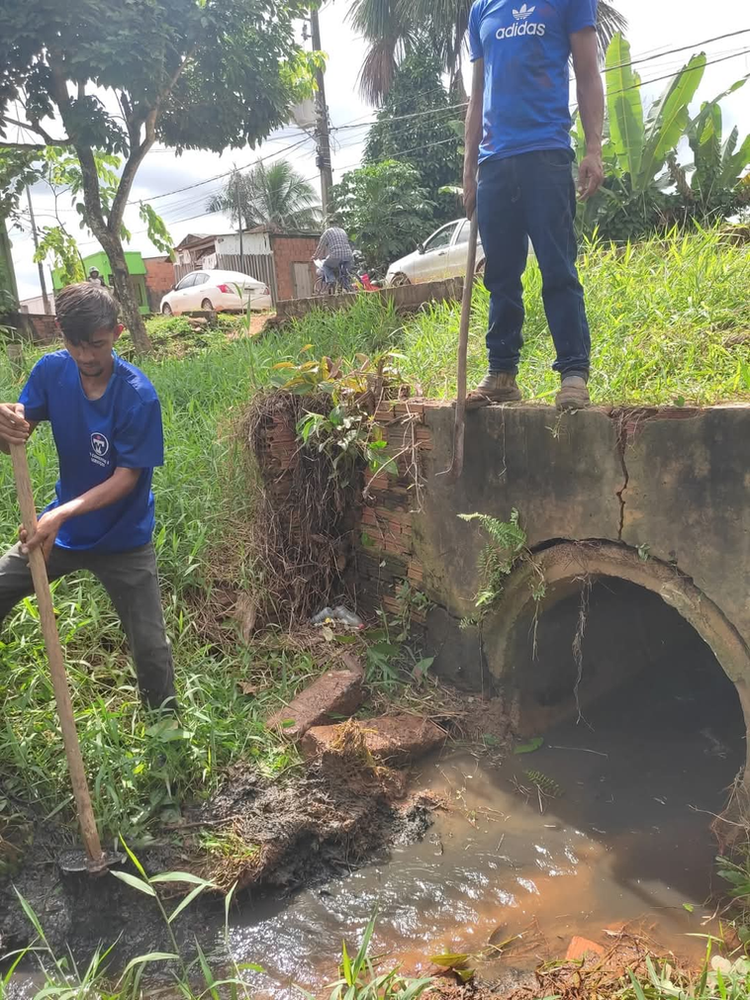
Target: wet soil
{"x": 299, "y": 831}
{"x": 604, "y": 831}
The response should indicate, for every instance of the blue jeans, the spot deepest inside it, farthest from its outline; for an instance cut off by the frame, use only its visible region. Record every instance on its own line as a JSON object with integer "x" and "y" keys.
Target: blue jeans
{"x": 532, "y": 196}
{"x": 335, "y": 270}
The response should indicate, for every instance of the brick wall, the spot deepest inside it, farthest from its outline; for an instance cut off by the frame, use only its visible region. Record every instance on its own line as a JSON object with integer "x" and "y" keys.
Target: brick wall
{"x": 159, "y": 280}
{"x": 39, "y": 328}
{"x": 383, "y": 553}
{"x": 288, "y": 251}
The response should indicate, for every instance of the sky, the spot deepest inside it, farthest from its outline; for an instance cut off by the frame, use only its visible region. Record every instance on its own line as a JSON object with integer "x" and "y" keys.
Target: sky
{"x": 654, "y": 29}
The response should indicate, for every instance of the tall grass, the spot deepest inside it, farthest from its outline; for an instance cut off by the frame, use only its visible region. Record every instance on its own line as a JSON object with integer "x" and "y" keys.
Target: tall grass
{"x": 661, "y": 312}
{"x": 139, "y": 770}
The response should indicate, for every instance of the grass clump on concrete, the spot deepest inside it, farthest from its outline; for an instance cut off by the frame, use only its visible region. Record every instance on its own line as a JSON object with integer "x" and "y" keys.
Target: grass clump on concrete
{"x": 669, "y": 317}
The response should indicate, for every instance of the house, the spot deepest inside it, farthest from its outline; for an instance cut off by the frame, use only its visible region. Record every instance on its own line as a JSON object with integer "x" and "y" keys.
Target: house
{"x": 159, "y": 279}
{"x": 136, "y": 270}
{"x": 281, "y": 260}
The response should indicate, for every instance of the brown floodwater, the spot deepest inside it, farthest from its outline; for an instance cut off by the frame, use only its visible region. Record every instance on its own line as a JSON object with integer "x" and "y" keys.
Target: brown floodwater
{"x": 618, "y": 836}
{"x": 621, "y": 837}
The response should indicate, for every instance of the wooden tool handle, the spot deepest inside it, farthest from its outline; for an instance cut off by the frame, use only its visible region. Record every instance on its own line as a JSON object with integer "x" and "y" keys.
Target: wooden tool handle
{"x": 459, "y": 434}
{"x": 96, "y": 860}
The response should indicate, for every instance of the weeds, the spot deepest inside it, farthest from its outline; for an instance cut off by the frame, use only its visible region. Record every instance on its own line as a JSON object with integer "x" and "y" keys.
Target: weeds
{"x": 140, "y": 773}
{"x": 360, "y": 979}
{"x": 191, "y": 978}
{"x": 666, "y": 319}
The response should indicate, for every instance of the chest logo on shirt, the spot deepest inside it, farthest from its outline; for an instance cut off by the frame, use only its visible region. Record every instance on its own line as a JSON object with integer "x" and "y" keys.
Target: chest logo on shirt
{"x": 99, "y": 449}
{"x": 521, "y": 24}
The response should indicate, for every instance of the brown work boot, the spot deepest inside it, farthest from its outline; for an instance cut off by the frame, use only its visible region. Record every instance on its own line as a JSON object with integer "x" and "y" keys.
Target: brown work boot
{"x": 573, "y": 394}
{"x": 495, "y": 387}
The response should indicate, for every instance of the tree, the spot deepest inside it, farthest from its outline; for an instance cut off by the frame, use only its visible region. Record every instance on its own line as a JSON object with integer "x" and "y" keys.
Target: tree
{"x": 384, "y": 211}
{"x": 392, "y": 26}
{"x": 16, "y": 171}
{"x": 645, "y": 187}
{"x": 275, "y": 196}
{"x": 118, "y": 76}
{"x": 427, "y": 141}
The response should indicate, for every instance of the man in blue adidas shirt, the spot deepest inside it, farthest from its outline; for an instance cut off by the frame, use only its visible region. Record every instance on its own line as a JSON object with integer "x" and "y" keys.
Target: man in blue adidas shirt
{"x": 106, "y": 421}
{"x": 518, "y": 130}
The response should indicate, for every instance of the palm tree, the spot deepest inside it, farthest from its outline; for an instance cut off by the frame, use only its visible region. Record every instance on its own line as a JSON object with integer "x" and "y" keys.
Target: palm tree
{"x": 391, "y": 26}
{"x": 275, "y": 196}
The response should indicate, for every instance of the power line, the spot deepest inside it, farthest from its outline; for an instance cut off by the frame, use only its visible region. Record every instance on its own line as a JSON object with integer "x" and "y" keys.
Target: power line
{"x": 253, "y": 163}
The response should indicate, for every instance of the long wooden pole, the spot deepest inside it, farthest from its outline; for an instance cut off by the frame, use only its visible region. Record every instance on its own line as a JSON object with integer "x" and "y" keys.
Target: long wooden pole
{"x": 459, "y": 432}
{"x": 96, "y": 861}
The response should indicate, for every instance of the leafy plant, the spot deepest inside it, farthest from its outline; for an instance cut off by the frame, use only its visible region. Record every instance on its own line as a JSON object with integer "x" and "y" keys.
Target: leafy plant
{"x": 156, "y": 229}
{"x": 427, "y": 140}
{"x": 646, "y": 188}
{"x": 57, "y": 242}
{"x": 458, "y": 964}
{"x": 360, "y": 979}
{"x": 385, "y": 210}
{"x": 507, "y": 540}
{"x": 66, "y": 981}
{"x": 345, "y": 438}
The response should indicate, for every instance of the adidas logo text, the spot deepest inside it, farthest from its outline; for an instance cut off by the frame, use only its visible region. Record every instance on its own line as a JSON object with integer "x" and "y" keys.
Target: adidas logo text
{"x": 521, "y": 28}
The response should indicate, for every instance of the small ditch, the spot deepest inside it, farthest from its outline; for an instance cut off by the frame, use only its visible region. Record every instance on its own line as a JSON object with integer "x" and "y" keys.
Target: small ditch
{"x": 606, "y": 826}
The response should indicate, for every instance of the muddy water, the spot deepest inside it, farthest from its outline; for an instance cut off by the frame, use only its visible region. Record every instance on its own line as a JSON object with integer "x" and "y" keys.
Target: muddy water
{"x": 621, "y": 836}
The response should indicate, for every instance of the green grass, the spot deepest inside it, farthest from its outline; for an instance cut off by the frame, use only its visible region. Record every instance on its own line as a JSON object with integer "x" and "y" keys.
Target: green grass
{"x": 660, "y": 312}
{"x": 661, "y": 315}
{"x": 202, "y": 498}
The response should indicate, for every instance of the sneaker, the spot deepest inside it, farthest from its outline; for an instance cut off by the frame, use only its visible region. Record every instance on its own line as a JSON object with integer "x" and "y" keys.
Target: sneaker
{"x": 573, "y": 394}
{"x": 495, "y": 387}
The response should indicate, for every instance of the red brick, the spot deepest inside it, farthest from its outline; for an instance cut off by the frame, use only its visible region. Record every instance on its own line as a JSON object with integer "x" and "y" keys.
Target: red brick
{"x": 339, "y": 692}
{"x": 581, "y": 948}
{"x": 393, "y": 739}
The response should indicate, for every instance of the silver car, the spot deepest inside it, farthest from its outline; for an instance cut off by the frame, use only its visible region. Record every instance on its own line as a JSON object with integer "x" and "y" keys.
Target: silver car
{"x": 443, "y": 255}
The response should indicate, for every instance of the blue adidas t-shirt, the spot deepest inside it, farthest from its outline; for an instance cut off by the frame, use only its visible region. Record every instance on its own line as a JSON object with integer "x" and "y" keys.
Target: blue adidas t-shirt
{"x": 94, "y": 437}
{"x": 526, "y": 48}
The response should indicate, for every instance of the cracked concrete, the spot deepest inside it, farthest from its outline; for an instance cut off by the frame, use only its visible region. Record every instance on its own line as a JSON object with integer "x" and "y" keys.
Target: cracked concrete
{"x": 673, "y": 482}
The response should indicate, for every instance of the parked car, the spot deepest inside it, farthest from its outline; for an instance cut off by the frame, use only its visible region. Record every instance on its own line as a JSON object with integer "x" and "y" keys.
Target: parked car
{"x": 443, "y": 255}
{"x": 216, "y": 290}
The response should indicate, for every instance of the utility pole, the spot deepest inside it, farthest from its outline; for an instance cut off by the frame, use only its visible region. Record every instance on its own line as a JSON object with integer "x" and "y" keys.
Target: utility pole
{"x": 323, "y": 132}
{"x": 40, "y": 265}
{"x": 239, "y": 220}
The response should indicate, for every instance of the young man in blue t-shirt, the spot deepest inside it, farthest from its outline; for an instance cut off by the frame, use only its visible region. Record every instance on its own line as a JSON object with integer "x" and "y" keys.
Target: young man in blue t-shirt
{"x": 518, "y": 129}
{"x": 106, "y": 422}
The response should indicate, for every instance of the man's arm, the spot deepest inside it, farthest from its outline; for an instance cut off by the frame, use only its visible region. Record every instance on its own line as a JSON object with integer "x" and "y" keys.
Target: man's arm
{"x": 473, "y": 137}
{"x": 14, "y": 427}
{"x": 591, "y": 109}
{"x": 119, "y": 485}
{"x": 321, "y": 252}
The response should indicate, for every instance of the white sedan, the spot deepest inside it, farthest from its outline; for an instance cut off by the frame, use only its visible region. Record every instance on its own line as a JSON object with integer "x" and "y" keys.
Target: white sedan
{"x": 215, "y": 291}
{"x": 442, "y": 256}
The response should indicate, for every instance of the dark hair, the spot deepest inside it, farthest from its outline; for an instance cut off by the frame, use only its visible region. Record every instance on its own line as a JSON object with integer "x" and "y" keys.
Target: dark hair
{"x": 83, "y": 309}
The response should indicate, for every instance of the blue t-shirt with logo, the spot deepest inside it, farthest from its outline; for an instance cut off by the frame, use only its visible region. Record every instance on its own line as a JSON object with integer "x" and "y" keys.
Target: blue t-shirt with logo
{"x": 526, "y": 48}
{"x": 122, "y": 429}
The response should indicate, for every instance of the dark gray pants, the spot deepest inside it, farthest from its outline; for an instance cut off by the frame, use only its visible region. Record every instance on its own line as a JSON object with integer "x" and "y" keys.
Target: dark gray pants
{"x": 131, "y": 580}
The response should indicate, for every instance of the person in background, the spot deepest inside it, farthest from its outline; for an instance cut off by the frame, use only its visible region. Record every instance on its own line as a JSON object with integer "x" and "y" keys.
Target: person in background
{"x": 95, "y": 278}
{"x": 335, "y": 251}
{"x": 106, "y": 422}
{"x": 518, "y": 130}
